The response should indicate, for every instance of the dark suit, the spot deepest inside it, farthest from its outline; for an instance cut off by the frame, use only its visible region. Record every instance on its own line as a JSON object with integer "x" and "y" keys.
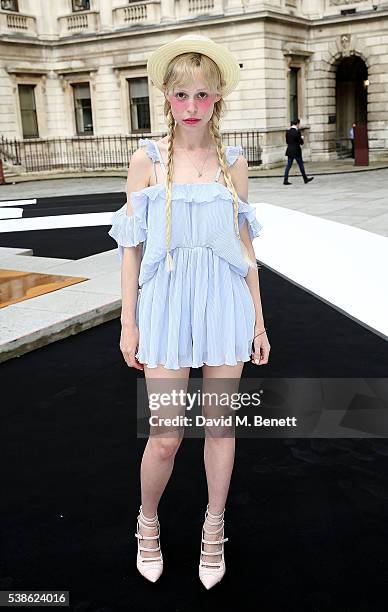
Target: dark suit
{"x": 294, "y": 141}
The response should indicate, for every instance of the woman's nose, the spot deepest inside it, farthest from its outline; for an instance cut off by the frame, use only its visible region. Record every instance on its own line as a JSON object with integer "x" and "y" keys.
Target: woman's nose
{"x": 191, "y": 105}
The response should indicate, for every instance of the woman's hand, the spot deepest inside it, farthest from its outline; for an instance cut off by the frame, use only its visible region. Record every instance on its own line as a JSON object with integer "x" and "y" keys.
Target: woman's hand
{"x": 129, "y": 342}
{"x": 261, "y": 350}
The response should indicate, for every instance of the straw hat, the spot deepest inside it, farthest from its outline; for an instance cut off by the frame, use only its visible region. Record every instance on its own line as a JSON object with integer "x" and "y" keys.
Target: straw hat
{"x": 227, "y": 63}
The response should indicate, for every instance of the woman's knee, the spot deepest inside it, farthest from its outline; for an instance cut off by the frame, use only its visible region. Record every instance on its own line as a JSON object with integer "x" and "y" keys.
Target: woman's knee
{"x": 165, "y": 447}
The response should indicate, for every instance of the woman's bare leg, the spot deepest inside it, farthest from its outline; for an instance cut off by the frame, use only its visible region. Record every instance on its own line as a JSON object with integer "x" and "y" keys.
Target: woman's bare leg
{"x": 159, "y": 454}
{"x": 219, "y": 449}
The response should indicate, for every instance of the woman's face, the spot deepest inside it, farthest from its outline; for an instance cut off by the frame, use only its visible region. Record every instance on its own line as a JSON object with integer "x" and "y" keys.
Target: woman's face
{"x": 193, "y": 100}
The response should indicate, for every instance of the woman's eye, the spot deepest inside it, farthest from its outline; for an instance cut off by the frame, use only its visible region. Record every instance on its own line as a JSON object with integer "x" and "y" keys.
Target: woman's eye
{"x": 180, "y": 95}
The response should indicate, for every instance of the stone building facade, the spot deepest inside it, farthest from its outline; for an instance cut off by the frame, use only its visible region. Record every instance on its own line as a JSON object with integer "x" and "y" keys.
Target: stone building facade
{"x": 78, "y": 67}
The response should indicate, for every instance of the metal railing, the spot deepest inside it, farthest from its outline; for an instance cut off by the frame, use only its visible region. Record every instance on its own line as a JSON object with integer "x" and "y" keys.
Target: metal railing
{"x": 100, "y": 152}
{"x": 10, "y": 150}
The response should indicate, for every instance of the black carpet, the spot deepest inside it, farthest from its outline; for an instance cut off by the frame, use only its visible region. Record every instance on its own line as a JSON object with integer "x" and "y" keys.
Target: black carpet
{"x": 70, "y": 242}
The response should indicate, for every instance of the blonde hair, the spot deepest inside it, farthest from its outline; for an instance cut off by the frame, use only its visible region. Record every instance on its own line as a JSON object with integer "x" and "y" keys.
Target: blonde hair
{"x": 182, "y": 69}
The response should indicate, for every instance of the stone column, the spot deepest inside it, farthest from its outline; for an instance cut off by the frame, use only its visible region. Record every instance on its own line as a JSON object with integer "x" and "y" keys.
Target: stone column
{"x": 47, "y": 17}
{"x": 106, "y": 15}
{"x": 167, "y": 11}
{"x": 313, "y": 8}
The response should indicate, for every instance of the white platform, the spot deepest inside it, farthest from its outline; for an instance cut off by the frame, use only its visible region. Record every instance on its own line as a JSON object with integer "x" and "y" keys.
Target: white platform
{"x": 17, "y": 202}
{"x": 11, "y": 213}
{"x": 342, "y": 265}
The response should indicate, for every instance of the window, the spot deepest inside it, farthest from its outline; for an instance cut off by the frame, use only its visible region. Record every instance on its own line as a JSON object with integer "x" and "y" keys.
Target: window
{"x": 293, "y": 75}
{"x": 10, "y": 5}
{"x": 81, "y": 5}
{"x": 139, "y": 104}
{"x": 83, "y": 108}
{"x": 28, "y": 111}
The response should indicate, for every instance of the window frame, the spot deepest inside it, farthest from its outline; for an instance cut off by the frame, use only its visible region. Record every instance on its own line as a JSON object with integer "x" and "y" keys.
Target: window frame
{"x": 79, "y": 10}
{"x": 15, "y": 10}
{"x": 74, "y": 83}
{"x": 33, "y": 87}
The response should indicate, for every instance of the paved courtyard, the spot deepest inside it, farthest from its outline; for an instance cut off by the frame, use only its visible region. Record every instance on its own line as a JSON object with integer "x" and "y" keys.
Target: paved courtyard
{"x": 354, "y": 198}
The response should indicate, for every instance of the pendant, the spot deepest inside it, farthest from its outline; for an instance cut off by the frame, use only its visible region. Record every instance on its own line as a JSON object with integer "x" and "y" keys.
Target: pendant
{"x": 199, "y": 173}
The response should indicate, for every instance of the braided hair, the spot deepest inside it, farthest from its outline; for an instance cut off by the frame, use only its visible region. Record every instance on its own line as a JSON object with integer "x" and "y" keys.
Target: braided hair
{"x": 181, "y": 69}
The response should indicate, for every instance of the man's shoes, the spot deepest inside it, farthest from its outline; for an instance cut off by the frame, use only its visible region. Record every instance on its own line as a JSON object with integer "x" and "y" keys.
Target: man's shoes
{"x": 286, "y": 183}
{"x": 309, "y": 179}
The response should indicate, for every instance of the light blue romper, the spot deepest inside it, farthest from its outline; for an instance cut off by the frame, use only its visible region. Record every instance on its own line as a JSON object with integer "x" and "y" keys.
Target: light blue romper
{"x": 201, "y": 312}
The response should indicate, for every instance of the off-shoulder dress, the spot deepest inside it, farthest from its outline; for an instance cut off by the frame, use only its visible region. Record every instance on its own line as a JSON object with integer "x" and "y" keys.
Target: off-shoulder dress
{"x": 202, "y": 311}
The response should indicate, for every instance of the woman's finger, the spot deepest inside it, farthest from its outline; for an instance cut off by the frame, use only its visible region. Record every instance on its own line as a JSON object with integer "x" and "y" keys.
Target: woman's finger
{"x": 256, "y": 353}
{"x": 265, "y": 353}
{"x": 260, "y": 354}
{"x": 130, "y": 359}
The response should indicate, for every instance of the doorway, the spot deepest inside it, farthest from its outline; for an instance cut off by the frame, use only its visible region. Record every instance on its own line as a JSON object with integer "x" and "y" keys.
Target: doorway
{"x": 351, "y": 100}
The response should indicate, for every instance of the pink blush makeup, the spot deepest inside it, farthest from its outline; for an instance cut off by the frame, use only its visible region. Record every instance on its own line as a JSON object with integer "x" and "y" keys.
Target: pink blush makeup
{"x": 206, "y": 102}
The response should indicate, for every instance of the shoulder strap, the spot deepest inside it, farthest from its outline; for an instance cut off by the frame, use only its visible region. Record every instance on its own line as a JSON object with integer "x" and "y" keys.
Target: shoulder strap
{"x": 219, "y": 167}
{"x": 152, "y": 152}
{"x": 218, "y": 174}
{"x": 159, "y": 155}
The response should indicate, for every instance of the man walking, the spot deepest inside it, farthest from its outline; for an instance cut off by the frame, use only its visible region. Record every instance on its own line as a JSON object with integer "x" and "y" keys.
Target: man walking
{"x": 294, "y": 139}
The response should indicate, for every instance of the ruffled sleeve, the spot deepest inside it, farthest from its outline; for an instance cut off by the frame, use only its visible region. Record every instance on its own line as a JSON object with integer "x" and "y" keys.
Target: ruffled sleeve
{"x": 247, "y": 212}
{"x": 130, "y": 230}
{"x": 150, "y": 148}
{"x": 232, "y": 153}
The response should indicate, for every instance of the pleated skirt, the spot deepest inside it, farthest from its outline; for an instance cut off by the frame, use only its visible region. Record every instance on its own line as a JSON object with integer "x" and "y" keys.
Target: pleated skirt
{"x": 201, "y": 312}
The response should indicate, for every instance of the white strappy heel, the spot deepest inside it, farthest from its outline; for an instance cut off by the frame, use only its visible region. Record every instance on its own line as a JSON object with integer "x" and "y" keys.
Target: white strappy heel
{"x": 149, "y": 567}
{"x": 209, "y": 576}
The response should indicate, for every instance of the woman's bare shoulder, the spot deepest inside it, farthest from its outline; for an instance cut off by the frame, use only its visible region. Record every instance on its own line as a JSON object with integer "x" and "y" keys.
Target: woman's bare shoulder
{"x": 139, "y": 170}
{"x": 162, "y": 143}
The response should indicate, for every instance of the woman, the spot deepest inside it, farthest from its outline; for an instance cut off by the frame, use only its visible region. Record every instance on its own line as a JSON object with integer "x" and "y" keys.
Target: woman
{"x": 187, "y": 244}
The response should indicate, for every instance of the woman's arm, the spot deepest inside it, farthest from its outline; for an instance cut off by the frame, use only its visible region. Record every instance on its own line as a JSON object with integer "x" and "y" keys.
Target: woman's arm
{"x": 139, "y": 172}
{"x": 130, "y": 269}
{"x": 260, "y": 346}
{"x": 239, "y": 173}
{"x": 137, "y": 178}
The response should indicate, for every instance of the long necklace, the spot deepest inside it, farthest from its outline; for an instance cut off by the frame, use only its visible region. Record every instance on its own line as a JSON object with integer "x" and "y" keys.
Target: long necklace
{"x": 207, "y": 154}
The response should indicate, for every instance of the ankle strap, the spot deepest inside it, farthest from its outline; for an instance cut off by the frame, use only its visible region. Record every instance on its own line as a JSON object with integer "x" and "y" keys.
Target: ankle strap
{"x": 214, "y": 516}
{"x": 144, "y": 518}
{"x": 216, "y": 531}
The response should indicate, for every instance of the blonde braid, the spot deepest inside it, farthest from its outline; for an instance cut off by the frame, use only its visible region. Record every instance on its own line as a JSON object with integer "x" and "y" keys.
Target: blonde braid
{"x": 170, "y": 145}
{"x": 214, "y": 130}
